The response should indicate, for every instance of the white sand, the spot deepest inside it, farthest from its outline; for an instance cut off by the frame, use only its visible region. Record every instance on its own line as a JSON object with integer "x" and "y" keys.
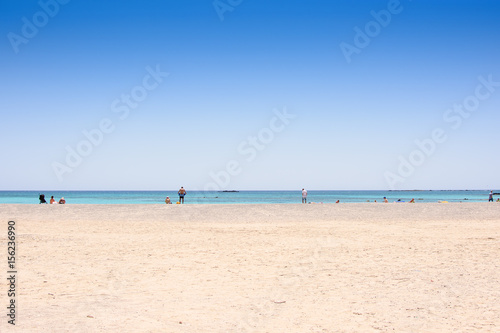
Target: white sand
{"x": 255, "y": 268}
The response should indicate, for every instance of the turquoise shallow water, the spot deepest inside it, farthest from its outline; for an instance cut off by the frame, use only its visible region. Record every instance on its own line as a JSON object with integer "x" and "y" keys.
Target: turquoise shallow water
{"x": 242, "y": 197}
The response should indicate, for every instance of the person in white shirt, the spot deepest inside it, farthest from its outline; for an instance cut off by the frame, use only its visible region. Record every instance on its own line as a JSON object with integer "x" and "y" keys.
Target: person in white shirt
{"x": 304, "y": 196}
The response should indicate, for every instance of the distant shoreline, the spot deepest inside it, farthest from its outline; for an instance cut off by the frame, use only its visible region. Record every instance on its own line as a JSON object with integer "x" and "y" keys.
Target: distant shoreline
{"x": 467, "y": 202}
{"x": 217, "y": 191}
{"x": 241, "y": 197}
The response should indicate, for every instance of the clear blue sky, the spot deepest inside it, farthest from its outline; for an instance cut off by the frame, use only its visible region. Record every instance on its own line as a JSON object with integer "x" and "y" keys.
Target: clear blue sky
{"x": 361, "y": 92}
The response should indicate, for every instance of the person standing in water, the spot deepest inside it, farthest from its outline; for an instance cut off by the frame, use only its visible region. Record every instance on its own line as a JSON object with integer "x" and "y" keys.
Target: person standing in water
{"x": 182, "y": 193}
{"x": 490, "y": 199}
{"x": 304, "y": 196}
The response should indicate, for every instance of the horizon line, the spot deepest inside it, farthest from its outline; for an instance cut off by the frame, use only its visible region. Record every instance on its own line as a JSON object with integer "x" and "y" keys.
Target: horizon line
{"x": 237, "y": 190}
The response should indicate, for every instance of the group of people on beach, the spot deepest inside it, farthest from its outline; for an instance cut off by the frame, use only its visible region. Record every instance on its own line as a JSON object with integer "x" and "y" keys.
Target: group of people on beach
{"x": 182, "y": 193}
{"x": 304, "y": 198}
{"x": 61, "y": 201}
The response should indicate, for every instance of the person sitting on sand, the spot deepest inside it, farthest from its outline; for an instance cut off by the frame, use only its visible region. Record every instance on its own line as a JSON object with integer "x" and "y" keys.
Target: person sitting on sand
{"x": 167, "y": 201}
{"x": 62, "y": 201}
{"x": 182, "y": 193}
{"x": 412, "y": 201}
{"x": 385, "y": 200}
{"x": 337, "y": 201}
{"x": 42, "y": 199}
{"x": 498, "y": 200}
{"x": 52, "y": 200}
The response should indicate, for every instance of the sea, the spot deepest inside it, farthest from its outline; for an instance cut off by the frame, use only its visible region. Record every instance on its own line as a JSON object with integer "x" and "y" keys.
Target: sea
{"x": 242, "y": 197}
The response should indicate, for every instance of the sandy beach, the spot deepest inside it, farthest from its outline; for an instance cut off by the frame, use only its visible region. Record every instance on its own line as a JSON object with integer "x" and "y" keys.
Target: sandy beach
{"x": 369, "y": 267}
